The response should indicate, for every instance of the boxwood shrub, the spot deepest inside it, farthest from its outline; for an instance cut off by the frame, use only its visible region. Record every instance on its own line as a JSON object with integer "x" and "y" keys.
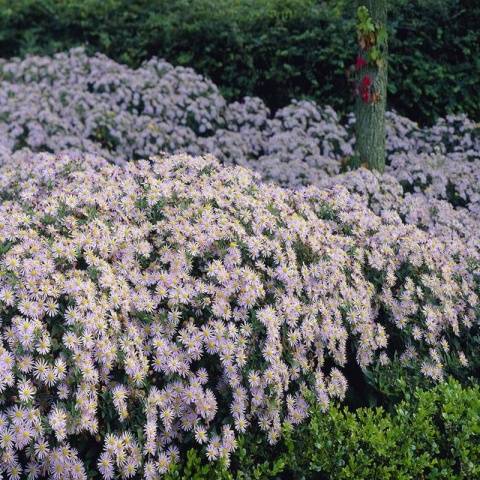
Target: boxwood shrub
{"x": 431, "y": 434}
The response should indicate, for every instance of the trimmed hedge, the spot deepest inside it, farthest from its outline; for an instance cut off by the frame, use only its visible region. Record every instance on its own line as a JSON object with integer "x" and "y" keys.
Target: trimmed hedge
{"x": 275, "y": 49}
{"x": 432, "y": 434}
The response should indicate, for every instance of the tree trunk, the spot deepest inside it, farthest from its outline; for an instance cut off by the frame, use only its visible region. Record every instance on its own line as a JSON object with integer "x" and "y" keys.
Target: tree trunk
{"x": 370, "y": 116}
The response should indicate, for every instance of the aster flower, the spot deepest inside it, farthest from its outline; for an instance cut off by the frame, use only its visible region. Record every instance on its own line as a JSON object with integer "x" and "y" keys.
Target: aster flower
{"x": 58, "y": 422}
{"x": 41, "y": 449}
{"x": 26, "y": 391}
{"x": 278, "y": 286}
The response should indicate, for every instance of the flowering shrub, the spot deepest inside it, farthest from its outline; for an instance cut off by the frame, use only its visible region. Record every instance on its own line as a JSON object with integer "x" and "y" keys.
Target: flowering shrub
{"x": 92, "y": 104}
{"x": 174, "y": 301}
{"x": 150, "y": 305}
{"x": 426, "y": 209}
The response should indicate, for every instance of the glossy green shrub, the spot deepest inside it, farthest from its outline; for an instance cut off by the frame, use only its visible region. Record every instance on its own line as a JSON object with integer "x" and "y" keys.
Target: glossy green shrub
{"x": 432, "y": 434}
{"x": 274, "y": 49}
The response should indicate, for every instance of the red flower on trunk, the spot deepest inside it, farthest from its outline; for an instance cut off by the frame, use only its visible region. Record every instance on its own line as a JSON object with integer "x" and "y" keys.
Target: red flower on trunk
{"x": 365, "y": 97}
{"x": 366, "y": 82}
{"x": 360, "y": 63}
{"x": 364, "y": 89}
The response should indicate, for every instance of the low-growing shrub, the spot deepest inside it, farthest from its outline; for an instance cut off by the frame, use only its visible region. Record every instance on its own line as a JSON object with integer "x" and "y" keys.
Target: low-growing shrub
{"x": 436, "y": 435}
{"x": 431, "y": 434}
{"x": 175, "y": 301}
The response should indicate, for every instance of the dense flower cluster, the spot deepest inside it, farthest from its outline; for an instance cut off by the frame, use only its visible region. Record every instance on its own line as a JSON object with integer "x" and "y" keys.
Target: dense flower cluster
{"x": 92, "y": 104}
{"x": 429, "y": 209}
{"x": 149, "y": 304}
{"x": 160, "y": 302}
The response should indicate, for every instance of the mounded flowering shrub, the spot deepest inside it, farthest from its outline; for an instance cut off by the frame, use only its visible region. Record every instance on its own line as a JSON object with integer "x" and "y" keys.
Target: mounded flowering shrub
{"x": 428, "y": 208}
{"x": 440, "y": 177}
{"x": 172, "y": 302}
{"x": 92, "y": 104}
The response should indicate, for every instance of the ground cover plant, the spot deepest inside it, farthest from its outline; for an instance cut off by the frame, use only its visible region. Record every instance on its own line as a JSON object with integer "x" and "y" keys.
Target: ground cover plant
{"x": 156, "y": 299}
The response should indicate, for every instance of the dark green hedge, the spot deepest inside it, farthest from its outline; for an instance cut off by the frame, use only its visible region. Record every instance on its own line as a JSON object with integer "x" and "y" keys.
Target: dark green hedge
{"x": 433, "y": 434}
{"x": 275, "y": 49}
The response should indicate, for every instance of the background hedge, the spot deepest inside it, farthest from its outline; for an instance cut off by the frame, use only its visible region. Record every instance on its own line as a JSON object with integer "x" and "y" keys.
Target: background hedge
{"x": 274, "y": 49}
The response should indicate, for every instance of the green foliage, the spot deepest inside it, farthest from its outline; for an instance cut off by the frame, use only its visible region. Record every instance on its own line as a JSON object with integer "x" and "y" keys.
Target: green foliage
{"x": 197, "y": 468}
{"x": 275, "y": 49}
{"x": 430, "y": 434}
{"x": 365, "y": 23}
{"x": 254, "y": 459}
{"x": 389, "y": 383}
